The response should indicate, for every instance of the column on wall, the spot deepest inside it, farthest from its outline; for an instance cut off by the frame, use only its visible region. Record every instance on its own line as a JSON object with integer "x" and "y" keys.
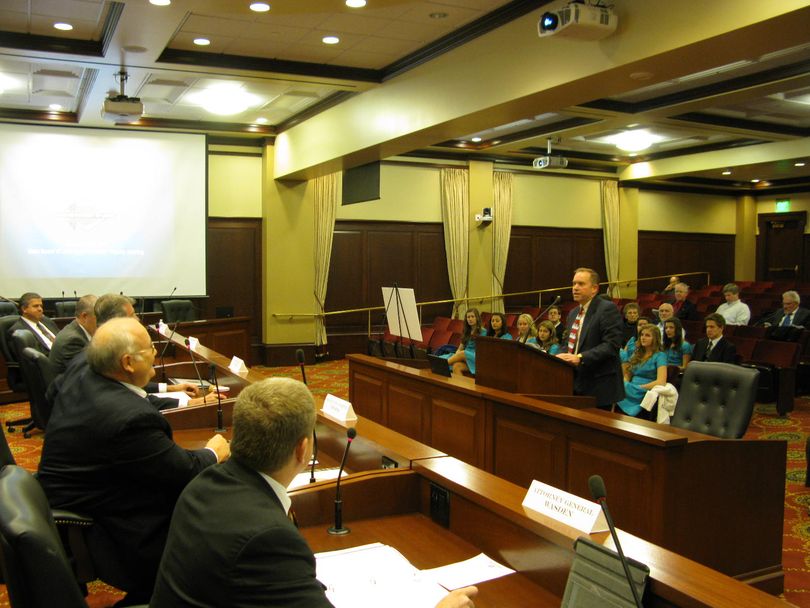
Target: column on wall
{"x": 481, "y": 234}
{"x": 745, "y": 241}
{"x": 288, "y": 244}
{"x": 628, "y": 240}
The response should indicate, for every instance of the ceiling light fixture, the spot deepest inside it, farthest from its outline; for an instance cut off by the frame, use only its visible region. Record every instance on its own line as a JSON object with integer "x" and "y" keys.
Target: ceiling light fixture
{"x": 330, "y": 39}
{"x": 261, "y": 120}
{"x": 55, "y": 107}
{"x": 202, "y": 41}
{"x": 727, "y": 172}
{"x": 224, "y": 99}
{"x": 475, "y": 139}
{"x": 633, "y": 141}
{"x": 438, "y": 15}
{"x": 355, "y": 3}
{"x": 799, "y": 164}
{"x": 160, "y": 2}
{"x": 755, "y": 181}
{"x": 65, "y": 27}
{"x": 260, "y": 7}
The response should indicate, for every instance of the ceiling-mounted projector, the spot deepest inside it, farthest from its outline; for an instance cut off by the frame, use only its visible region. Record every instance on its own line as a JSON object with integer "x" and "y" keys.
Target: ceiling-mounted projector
{"x": 122, "y": 109}
{"x": 550, "y": 162}
{"x": 576, "y": 20}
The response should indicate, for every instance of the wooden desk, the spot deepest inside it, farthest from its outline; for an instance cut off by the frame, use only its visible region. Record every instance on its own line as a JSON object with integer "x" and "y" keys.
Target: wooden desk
{"x": 486, "y": 515}
{"x": 718, "y": 501}
{"x": 227, "y": 336}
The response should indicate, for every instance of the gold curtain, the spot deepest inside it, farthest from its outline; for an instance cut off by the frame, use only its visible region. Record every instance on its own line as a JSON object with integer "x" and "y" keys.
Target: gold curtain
{"x": 502, "y": 228}
{"x": 326, "y": 202}
{"x": 455, "y": 219}
{"x": 609, "y": 194}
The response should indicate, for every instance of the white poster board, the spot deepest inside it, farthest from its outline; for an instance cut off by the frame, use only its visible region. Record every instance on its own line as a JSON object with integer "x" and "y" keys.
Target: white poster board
{"x": 401, "y": 312}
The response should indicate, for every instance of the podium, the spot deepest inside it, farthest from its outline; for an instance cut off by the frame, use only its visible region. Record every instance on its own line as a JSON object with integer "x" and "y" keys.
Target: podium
{"x": 519, "y": 368}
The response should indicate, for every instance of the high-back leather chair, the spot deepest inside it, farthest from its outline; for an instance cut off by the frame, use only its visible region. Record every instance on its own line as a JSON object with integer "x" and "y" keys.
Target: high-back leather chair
{"x": 13, "y": 375}
{"x": 34, "y": 565}
{"x": 716, "y": 399}
{"x": 178, "y": 310}
{"x": 6, "y": 457}
{"x": 66, "y": 308}
{"x": 38, "y": 373}
{"x": 21, "y": 340}
{"x": 8, "y": 308}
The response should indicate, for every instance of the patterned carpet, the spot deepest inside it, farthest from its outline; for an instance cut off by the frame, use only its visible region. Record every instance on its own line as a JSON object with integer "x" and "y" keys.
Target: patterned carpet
{"x": 332, "y": 377}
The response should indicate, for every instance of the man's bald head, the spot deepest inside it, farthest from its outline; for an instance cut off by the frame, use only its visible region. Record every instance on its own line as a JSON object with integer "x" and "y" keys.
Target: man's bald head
{"x": 118, "y": 347}
{"x": 113, "y": 306}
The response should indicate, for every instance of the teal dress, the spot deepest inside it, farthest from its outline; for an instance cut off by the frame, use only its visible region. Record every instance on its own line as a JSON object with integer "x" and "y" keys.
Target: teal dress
{"x": 675, "y": 355}
{"x": 469, "y": 352}
{"x": 628, "y": 350}
{"x": 643, "y": 374}
{"x": 552, "y": 350}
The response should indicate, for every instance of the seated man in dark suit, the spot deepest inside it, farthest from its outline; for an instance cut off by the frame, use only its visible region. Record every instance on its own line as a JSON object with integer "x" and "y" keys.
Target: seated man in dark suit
{"x": 684, "y": 309}
{"x": 714, "y": 347}
{"x": 75, "y": 336}
{"x": 231, "y": 542}
{"x": 554, "y": 316}
{"x": 33, "y": 319}
{"x": 790, "y": 313}
{"x": 109, "y": 453}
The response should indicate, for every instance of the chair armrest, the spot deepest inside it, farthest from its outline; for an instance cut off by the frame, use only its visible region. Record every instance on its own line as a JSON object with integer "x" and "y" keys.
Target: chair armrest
{"x": 72, "y": 527}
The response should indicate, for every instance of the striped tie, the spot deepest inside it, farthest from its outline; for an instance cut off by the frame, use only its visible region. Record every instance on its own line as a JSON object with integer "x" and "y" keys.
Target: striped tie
{"x": 572, "y": 337}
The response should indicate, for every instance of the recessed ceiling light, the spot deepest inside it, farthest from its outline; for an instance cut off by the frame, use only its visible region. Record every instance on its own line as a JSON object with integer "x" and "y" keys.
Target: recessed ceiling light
{"x": 202, "y": 41}
{"x": 224, "y": 99}
{"x": 634, "y": 141}
{"x": 330, "y": 39}
{"x": 754, "y": 181}
{"x": 438, "y": 15}
{"x": 641, "y": 75}
{"x": 260, "y": 7}
{"x": 726, "y": 172}
{"x": 475, "y": 139}
{"x": 799, "y": 164}
{"x": 160, "y": 2}
{"x": 54, "y": 106}
{"x": 355, "y": 3}
{"x": 261, "y": 120}
{"x": 65, "y": 27}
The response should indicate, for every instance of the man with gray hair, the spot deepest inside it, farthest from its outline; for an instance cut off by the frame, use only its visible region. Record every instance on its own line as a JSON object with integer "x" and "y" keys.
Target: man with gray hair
{"x": 790, "y": 313}
{"x": 109, "y": 454}
{"x": 231, "y": 542}
{"x": 683, "y": 308}
{"x": 75, "y": 336}
{"x": 734, "y": 311}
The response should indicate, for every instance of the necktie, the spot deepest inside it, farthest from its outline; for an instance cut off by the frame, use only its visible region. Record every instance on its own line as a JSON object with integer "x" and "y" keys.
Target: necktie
{"x": 47, "y": 332}
{"x": 572, "y": 337}
{"x": 708, "y": 351}
{"x": 786, "y": 320}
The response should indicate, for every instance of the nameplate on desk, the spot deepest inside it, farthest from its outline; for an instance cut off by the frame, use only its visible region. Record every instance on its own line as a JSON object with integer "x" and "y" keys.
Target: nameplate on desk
{"x": 237, "y": 366}
{"x": 162, "y": 328}
{"x": 580, "y": 514}
{"x": 339, "y": 409}
{"x": 193, "y": 343}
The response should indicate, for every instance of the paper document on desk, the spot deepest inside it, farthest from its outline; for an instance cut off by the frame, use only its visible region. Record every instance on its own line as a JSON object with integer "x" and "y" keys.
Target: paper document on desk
{"x": 469, "y": 572}
{"x": 181, "y": 396}
{"x": 302, "y": 479}
{"x": 375, "y": 575}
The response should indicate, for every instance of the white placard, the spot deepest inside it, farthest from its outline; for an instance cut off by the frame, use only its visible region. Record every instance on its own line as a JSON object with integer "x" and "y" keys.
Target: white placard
{"x": 162, "y": 328}
{"x": 193, "y": 343}
{"x": 401, "y": 312}
{"x": 237, "y": 366}
{"x": 581, "y": 514}
{"x": 339, "y": 409}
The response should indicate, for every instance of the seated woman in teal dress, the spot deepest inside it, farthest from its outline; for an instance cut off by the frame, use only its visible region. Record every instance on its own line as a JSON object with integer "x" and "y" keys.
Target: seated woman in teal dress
{"x": 464, "y": 358}
{"x": 645, "y": 369}
{"x": 678, "y": 350}
{"x": 547, "y": 338}
{"x": 628, "y": 349}
{"x": 527, "y": 334}
{"x": 497, "y": 326}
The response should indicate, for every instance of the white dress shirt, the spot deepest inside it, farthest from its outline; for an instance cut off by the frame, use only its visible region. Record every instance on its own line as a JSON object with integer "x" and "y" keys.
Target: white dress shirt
{"x": 735, "y": 313}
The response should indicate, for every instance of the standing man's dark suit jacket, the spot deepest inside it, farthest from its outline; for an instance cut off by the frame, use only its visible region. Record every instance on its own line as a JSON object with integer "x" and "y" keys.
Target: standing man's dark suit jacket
{"x": 69, "y": 343}
{"x": 723, "y": 352}
{"x": 109, "y": 454}
{"x": 801, "y": 317}
{"x": 600, "y": 371}
{"x": 231, "y": 544}
{"x": 41, "y": 346}
{"x": 687, "y": 312}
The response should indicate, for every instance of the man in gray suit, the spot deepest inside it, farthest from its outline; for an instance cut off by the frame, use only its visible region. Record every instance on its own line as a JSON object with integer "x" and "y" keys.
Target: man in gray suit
{"x": 75, "y": 336}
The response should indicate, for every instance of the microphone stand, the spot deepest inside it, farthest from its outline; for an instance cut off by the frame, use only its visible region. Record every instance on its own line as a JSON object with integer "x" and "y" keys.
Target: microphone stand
{"x": 165, "y": 348}
{"x": 338, "y": 528}
{"x": 540, "y": 316}
{"x": 197, "y": 371}
{"x": 220, "y": 426}
{"x": 299, "y": 355}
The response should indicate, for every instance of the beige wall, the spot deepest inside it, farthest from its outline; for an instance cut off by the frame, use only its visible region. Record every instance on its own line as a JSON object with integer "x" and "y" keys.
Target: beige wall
{"x": 234, "y": 185}
{"x": 678, "y": 212}
{"x": 564, "y": 202}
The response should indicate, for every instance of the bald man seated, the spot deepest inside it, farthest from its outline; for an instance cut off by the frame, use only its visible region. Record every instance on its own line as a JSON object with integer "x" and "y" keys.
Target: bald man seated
{"x": 109, "y": 453}
{"x": 75, "y": 336}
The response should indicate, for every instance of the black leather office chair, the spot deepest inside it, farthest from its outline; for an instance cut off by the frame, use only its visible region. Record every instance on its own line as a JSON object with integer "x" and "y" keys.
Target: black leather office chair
{"x": 8, "y": 308}
{"x": 38, "y": 374}
{"x": 66, "y": 308}
{"x": 716, "y": 399}
{"x": 13, "y": 375}
{"x": 6, "y": 457}
{"x": 178, "y": 310}
{"x": 20, "y": 340}
{"x": 34, "y": 565}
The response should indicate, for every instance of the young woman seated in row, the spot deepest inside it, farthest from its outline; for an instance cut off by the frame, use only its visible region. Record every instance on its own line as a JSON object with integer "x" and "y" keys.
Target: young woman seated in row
{"x": 627, "y": 351}
{"x": 645, "y": 369}
{"x": 464, "y": 358}
{"x": 526, "y": 330}
{"x": 497, "y": 326}
{"x": 678, "y": 350}
{"x": 547, "y": 338}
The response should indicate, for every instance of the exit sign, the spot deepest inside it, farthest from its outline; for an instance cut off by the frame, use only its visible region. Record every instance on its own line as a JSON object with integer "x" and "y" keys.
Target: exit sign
{"x": 783, "y": 206}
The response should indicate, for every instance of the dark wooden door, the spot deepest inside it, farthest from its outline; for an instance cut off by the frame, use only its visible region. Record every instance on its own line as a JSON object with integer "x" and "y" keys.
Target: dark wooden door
{"x": 781, "y": 242}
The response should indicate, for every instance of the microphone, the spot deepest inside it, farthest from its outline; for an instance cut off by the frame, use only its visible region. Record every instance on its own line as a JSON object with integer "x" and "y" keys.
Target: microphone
{"x": 63, "y": 294}
{"x": 75, "y": 295}
{"x": 338, "y": 528}
{"x": 538, "y": 317}
{"x": 143, "y": 305}
{"x": 597, "y": 486}
{"x": 299, "y": 354}
{"x": 172, "y": 293}
{"x": 194, "y": 363}
{"x": 213, "y": 379}
{"x": 165, "y": 348}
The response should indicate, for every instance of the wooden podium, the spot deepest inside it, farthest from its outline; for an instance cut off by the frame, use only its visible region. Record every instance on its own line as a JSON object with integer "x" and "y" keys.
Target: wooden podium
{"x": 519, "y": 368}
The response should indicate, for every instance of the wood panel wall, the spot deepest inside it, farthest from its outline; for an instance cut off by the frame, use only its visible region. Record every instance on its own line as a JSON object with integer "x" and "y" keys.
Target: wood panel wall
{"x": 668, "y": 253}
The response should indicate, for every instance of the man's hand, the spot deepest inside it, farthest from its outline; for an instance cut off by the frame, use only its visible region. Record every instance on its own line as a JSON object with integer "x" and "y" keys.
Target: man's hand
{"x": 192, "y": 390}
{"x": 575, "y": 359}
{"x": 460, "y": 598}
{"x": 220, "y": 445}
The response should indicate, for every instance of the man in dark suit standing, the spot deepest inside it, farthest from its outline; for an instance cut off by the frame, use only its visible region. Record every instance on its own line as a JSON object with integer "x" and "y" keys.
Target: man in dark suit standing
{"x": 683, "y": 308}
{"x": 714, "y": 347}
{"x": 790, "y": 313}
{"x": 33, "y": 319}
{"x": 75, "y": 336}
{"x": 231, "y": 541}
{"x": 109, "y": 454}
{"x": 593, "y": 339}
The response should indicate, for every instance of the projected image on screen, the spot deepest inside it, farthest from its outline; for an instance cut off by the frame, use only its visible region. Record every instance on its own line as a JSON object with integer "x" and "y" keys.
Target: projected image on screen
{"x": 93, "y": 211}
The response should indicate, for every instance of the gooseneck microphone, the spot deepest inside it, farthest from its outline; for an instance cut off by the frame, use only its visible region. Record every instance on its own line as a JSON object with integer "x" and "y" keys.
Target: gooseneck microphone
{"x": 338, "y": 527}
{"x": 213, "y": 379}
{"x": 540, "y": 316}
{"x": 299, "y": 355}
{"x": 172, "y": 293}
{"x": 165, "y": 348}
{"x": 597, "y": 487}
{"x": 194, "y": 363}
